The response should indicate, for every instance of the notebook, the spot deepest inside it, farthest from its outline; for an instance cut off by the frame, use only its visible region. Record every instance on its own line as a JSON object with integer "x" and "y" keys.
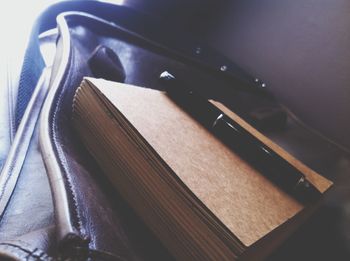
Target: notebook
{"x": 195, "y": 194}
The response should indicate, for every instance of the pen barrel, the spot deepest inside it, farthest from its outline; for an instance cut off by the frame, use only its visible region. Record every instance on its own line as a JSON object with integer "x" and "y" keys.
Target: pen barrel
{"x": 257, "y": 154}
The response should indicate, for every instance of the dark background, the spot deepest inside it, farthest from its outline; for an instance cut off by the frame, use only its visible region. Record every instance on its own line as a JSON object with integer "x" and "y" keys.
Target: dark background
{"x": 299, "y": 48}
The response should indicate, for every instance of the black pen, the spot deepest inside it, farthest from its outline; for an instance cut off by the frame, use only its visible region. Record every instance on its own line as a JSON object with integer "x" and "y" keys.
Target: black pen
{"x": 247, "y": 146}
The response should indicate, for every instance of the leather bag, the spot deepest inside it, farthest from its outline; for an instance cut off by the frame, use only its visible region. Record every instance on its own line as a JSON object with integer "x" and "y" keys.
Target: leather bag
{"x": 55, "y": 202}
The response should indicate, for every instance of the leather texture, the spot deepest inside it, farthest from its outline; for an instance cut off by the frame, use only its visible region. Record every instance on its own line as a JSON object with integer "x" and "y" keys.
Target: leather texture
{"x": 86, "y": 219}
{"x": 27, "y": 211}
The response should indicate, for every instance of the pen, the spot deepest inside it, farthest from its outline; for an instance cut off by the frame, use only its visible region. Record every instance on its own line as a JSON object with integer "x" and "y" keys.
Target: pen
{"x": 242, "y": 142}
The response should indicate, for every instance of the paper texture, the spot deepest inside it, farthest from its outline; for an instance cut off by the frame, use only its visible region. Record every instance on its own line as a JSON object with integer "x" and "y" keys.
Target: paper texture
{"x": 247, "y": 203}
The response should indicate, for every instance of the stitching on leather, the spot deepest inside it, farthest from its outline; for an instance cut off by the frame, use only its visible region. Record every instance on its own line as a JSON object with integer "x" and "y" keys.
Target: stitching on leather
{"x": 2, "y": 189}
{"x": 60, "y": 153}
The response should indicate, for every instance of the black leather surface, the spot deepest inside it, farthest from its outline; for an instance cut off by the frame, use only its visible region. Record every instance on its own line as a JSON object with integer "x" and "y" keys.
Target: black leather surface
{"x": 27, "y": 221}
{"x": 30, "y": 208}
